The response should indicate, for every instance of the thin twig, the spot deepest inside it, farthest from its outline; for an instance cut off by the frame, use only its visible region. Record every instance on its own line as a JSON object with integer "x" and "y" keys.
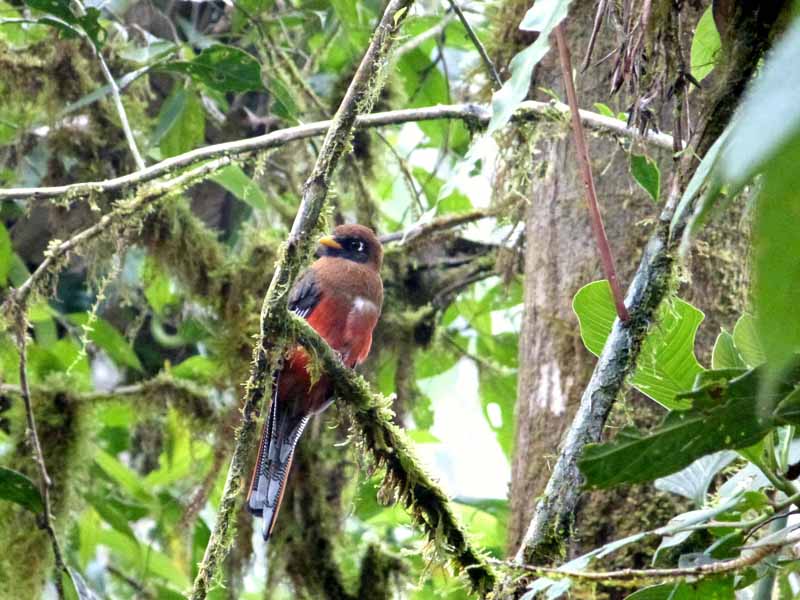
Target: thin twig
{"x": 423, "y": 37}
{"x": 45, "y": 482}
{"x": 62, "y": 250}
{"x": 141, "y": 591}
{"x": 757, "y": 554}
{"x": 478, "y": 45}
{"x": 123, "y": 117}
{"x": 426, "y": 227}
{"x": 476, "y": 114}
{"x": 595, "y": 216}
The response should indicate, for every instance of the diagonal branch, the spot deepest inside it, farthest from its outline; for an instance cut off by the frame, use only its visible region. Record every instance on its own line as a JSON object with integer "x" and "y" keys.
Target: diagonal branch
{"x": 58, "y": 252}
{"x": 45, "y": 483}
{"x": 596, "y": 217}
{"x": 487, "y": 62}
{"x": 390, "y": 446}
{"x": 475, "y": 114}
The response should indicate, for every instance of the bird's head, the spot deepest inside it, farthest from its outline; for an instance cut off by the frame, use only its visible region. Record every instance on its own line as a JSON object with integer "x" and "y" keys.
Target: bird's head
{"x": 352, "y": 242}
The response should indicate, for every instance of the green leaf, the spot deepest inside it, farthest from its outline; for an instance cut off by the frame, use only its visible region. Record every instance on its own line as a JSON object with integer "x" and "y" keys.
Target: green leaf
{"x": 725, "y": 354}
{"x": 646, "y": 173}
{"x": 106, "y": 337}
{"x": 604, "y": 110}
{"x": 769, "y": 115}
{"x": 435, "y": 361}
{"x": 745, "y": 338}
{"x": 158, "y": 288}
{"x": 16, "y": 487}
{"x": 148, "y": 562}
{"x": 233, "y": 179}
{"x": 693, "y": 481}
{"x": 726, "y": 413}
{"x": 88, "y": 22}
{"x": 181, "y": 124}
{"x": 542, "y": 17}
{"x": 498, "y": 394}
{"x": 111, "y": 515}
{"x": 197, "y": 368}
{"x": 222, "y": 68}
{"x": 75, "y": 586}
{"x": 667, "y": 365}
{"x": 6, "y": 254}
{"x": 706, "y": 46}
{"x": 426, "y": 85}
{"x": 284, "y": 105}
{"x": 129, "y": 480}
{"x": 777, "y": 255}
{"x": 706, "y": 589}
{"x": 501, "y": 348}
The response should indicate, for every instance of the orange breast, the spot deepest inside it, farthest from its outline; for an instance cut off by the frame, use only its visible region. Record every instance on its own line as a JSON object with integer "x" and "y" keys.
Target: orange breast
{"x": 347, "y": 327}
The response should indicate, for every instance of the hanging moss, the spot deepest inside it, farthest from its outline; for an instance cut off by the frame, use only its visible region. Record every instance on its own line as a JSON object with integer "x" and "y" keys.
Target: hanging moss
{"x": 61, "y": 422}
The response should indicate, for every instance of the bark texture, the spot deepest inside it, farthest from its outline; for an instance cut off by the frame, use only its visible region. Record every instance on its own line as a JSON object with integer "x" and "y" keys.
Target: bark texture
{"x": 560, "y": 257}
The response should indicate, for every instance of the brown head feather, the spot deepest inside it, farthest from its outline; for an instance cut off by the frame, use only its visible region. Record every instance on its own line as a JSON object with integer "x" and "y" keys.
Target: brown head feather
{"x": 349, "y": 236}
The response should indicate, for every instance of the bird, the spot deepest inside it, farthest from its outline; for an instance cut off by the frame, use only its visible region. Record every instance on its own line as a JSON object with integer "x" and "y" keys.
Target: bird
{"x": 341, "y": 296}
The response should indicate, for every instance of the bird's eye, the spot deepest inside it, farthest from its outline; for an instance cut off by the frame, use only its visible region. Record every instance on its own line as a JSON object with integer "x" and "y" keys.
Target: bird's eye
{"x": 360, "y": 247}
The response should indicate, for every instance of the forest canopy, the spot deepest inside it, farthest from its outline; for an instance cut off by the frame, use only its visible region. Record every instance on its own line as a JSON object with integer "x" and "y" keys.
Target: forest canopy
{"x": 584, "y": 381}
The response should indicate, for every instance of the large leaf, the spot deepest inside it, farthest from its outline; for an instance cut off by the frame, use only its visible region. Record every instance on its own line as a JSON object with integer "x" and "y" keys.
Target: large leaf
{"x": 777, "y": 252}
{"x": 693, "y": 481}
{"x": 705, "y": 46}
{"x": 16, "y": 487}
{"x": 745, "y": 338}
{"x": 706, "y": 589}
{"x": 236, "y": 181}
{"x": 181, "y": 124}
{"x": 726, "y": 413}
{"x": 127, "y": 479}
{"x": 769, "y": 115}
{"x": 223, "y": 68}
{"x": 667, "y": 365}
{"x": 111, "y": 515}
{"x": 197, "y": 368}
{"x": 148, "y": 562}
{"x": 725, "y": 354}
{"x": 543, "y": 17}
{"x": 498, "y": 393}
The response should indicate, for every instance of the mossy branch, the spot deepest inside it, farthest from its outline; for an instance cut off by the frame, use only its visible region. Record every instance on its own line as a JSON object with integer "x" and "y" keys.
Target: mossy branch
{"x": 405, "y": 474}
{"x": 477, "y": 115}
{"x": 159, "y": 392}
{"x": 46, "y": 519}
{"x": 58, "y": 251}
{"x": 274, "y": 315}
{"x": 639, "y": 577}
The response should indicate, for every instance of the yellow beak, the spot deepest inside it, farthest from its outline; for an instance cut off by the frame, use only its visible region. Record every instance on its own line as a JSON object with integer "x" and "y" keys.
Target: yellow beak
{"x": 330, "y": 242}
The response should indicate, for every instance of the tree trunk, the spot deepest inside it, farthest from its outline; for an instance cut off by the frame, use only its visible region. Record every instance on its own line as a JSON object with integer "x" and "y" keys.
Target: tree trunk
{"x": 560, "y": 258}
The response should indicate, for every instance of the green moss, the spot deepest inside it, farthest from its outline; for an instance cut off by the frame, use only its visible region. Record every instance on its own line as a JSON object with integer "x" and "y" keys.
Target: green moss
{"x": 63, "y": 428}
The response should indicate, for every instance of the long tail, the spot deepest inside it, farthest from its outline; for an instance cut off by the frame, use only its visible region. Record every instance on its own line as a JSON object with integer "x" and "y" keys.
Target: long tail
{"x": 278, "y": 440}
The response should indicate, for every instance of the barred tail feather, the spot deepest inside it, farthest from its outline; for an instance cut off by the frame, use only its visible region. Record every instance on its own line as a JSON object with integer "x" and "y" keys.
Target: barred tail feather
{"x": 278, "y": 441}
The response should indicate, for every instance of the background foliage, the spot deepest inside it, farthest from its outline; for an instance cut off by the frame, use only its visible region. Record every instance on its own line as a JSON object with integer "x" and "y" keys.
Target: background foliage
{"x": 140, "y": 339}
